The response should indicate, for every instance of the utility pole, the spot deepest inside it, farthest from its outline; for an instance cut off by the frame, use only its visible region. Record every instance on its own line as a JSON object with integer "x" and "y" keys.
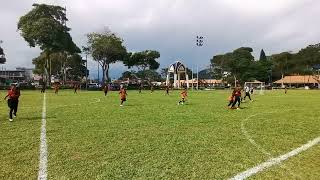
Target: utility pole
{"x": 50, "y": 70}
{"x": 192, "y": 78}
{"x": 98, "y": 74}
{"x": 199, "y": 43}
{"x": 318, "y": 78}
{"x": 47, "y": 74}
{"x": 197, "y": 77}
{"x": 87, "y": 71}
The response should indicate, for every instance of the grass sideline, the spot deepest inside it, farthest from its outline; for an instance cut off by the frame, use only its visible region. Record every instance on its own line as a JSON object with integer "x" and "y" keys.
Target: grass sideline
{"x": 90, "y": 137}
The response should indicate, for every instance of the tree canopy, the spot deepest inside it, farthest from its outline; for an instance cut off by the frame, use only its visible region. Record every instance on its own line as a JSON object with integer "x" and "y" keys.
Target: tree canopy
{"x": 61, "y": 64}
{"x": 143, "y": 60}
{"x": 239, "y": 63}
{"x": 2, "y": 56}
{"x": 263, "y": 56}
{"x": 148, "y": 75}
{"x": 106, "y": 48}
{"x": 44, "y": 26}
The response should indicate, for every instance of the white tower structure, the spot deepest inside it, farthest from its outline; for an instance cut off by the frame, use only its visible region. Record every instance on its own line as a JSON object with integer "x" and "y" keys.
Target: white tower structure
{"x": 177, "y": 69}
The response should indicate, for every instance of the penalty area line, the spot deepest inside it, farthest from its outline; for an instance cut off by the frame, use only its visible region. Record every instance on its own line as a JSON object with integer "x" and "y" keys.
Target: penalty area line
{"x": 275, "y": 161}
{"x": 43, "y": 157}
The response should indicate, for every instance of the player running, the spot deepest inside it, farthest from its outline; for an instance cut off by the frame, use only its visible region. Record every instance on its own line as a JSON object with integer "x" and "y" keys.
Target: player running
{"x": 167, "y": 90}
{"x": 105, "y": 89}
{"x": 123, "y": 95}
{"x": 56, "y": 88}
{"x": 247, "y": 91}
{"x": 230, "y": 99}
{"x": 140, "y": 88}
{"x": 13, "y": 101}
{"x": 236, "y": 94}
{"x": 43, "y": 88}
{"x": 76, "y": 87}
{"x": 184, "y": 95}
{"x": 285, "y": 89}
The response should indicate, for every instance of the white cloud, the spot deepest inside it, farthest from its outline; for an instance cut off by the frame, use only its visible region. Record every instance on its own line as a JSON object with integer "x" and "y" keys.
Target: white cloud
{"x": 170, "y": 26}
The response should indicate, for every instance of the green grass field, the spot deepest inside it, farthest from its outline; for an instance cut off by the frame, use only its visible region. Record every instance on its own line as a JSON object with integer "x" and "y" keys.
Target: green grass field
{"x": 90, "y": 137}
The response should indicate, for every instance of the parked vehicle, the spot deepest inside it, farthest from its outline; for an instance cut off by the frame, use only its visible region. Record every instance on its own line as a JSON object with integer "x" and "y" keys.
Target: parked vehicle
{"x": 94, "y": 86}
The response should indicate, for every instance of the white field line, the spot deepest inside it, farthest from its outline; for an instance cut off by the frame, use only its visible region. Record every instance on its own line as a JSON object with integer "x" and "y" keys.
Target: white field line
{"x": 277, "y": 160}
{"x": 43, "y": 158}
{"x": 249, "y": 138}
{"x": 272, "y": 161}
{"x": 97, "y": 101}
{"x": 259, "y": 147}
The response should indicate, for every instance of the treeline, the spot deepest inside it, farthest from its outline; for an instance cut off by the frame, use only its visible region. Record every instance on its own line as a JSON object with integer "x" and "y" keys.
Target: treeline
{"x": 45, "y": 26}
{"x": 240, "y": 64}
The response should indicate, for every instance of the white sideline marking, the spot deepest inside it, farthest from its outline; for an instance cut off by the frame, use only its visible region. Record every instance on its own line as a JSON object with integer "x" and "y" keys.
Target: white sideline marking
{"x": 97, "y": 101}
{"x": 246, "y": 134}
{"x": 275, "y": 161}
{"x": 260, "y": 148}
{"x": 43, "y": 158}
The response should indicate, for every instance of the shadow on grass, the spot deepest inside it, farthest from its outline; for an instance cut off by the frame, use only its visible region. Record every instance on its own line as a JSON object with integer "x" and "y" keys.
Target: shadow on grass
{"x": 32, "y": 118}
{"x": 28, "y": 118}
{"x": 241, "y": 108}
{"x": 244, "y": 108}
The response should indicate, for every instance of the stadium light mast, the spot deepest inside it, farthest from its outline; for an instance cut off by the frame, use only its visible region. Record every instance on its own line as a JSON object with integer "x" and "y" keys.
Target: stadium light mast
{"x": 87, "y": 71}
{"x": 98, "y": 74}
{"x": 2, "y": 54}
{"x": 192, "y": 77}
{"x": 199, "y": 43}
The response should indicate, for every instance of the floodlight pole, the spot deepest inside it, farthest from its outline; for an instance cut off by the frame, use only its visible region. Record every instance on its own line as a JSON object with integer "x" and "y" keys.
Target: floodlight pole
{"x": 47, "y": 73}
{"x": 199, "y": 43}
{"x": 197, "y": 77}
{"x": 86, "y": 71}
{"x": 192, "y": 78}
{"x": 50, "y": 70}
{"x": 318, "y": 78}
{"x": 98, "y": 74}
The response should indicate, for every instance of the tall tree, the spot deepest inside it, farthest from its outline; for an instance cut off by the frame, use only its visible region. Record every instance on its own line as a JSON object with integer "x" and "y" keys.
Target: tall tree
{"x": 218, "y": 64}
{"x": 143, "y": 60}
{"x": 263, "y": 56}
{"x": 128, "y": 74}
{"x": 146, "y": 63}
{"x": 73, "y": 64}
{"x": 106, "y": 48}
{"x": 282, "y": 62}
{"x": 239, "y": 64}
{"x": 44, "y": 26}
{"x": 307, "y": 58}
{"x": 149, "y": 75}
{"x": 40, "y": 63}
{"x": 76, "y": 67}
{"x": 2, "y": 55}
{"x": 262, "y": 70}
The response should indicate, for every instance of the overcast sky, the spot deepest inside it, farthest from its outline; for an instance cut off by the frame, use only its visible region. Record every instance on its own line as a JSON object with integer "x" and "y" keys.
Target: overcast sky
{"x": 171, "y": 27}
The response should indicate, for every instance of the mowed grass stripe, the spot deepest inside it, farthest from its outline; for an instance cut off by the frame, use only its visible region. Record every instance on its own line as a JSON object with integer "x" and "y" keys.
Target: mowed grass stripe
{"x": 19, "y": 140}
{"x": 43, "y": 155}
{"x": 153, "y": 137}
